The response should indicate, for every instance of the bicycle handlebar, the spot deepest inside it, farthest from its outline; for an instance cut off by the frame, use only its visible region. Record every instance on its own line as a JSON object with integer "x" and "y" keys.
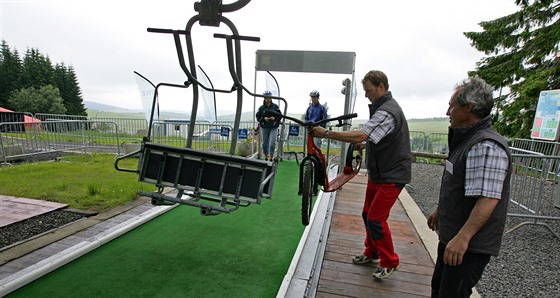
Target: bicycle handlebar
{"x": 312, "y": 124}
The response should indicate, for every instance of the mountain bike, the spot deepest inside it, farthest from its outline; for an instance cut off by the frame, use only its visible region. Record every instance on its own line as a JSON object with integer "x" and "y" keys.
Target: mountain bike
{"x": 313, "y": 167}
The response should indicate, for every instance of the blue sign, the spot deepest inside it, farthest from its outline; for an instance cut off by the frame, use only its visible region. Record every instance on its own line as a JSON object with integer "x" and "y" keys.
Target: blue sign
{"x": 294, "y": 130}
{"x": 243, "y": 133}
{"x": 225, "y": 131}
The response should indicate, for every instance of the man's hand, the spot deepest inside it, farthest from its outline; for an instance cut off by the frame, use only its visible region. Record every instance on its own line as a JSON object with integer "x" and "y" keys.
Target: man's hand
{"x": 455, "y": 250}
{"x": 433, "y": 220}
{"x": 359, "y": 146}
{"x": 318, "y": 131}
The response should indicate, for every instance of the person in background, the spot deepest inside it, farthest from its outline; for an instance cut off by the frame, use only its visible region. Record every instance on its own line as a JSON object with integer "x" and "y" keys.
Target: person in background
{"x": 471, "y": 214}
{"x": 316, "y": 112}
{"x": 268, "y": 125}
{"x": 389, "y": 164}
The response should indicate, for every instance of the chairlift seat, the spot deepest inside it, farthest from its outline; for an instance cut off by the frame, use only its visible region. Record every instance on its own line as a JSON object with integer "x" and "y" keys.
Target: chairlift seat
{"x": 234, "y": 180}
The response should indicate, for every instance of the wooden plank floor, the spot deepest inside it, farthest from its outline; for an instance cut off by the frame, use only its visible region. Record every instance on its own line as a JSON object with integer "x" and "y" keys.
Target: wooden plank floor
{"x": 341, "y": 278}
{"x": 14, "y": 209}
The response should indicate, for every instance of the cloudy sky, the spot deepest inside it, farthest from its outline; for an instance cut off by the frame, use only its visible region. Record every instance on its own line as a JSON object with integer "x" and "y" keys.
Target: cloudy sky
{"x": 418, "y": 44}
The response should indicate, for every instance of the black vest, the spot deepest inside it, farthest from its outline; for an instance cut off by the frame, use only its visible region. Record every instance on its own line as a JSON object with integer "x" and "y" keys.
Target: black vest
{"x": 454, "y": 208}
{"x": 390, "y": 160}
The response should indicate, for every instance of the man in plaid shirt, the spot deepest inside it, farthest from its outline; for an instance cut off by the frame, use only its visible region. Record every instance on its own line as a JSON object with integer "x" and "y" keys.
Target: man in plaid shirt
{"x": 389, "y": 161}
{"x": 474, "y": 195}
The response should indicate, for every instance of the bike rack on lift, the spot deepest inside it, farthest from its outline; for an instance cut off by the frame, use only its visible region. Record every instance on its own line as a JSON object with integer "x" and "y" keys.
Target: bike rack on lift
{"x": 214, "y": 182}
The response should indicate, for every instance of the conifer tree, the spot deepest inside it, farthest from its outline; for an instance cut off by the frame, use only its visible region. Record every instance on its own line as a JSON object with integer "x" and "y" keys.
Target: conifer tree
{"x": 38, "y": 70}
{"x": 37, "y": 76}
{"x": 11, "y": 71}
{"x": 67, "y": 83}
{"x": 522, "y": 60}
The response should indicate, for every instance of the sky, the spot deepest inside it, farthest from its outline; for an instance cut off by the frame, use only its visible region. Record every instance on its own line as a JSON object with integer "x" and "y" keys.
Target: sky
{"x": 419, "y": 45}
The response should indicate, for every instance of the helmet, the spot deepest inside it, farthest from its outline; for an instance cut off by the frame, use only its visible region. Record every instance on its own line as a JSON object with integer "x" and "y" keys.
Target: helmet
{"x": 314, "y": 93}
{"x": 267, "y": 93}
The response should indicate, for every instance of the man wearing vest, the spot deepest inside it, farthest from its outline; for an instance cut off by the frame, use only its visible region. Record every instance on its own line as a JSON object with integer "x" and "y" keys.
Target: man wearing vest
{"x": 389, "y": 169}
{"x": 474, "y": 194}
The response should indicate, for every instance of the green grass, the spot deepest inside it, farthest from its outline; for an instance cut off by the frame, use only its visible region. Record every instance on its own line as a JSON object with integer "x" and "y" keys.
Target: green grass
{"x": 429, "y": 125}
{"x": 432, "y": 125}
{"x": 88, "y": 182}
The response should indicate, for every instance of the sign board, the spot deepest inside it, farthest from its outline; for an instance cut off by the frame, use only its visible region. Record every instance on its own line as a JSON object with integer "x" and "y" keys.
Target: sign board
{"x": 306, "y": 61}
{"x": 243, "y": 133}
{"x": 294, "y": 130}
{"x": 224, "y": 132}
{"x": 547, "y": 116}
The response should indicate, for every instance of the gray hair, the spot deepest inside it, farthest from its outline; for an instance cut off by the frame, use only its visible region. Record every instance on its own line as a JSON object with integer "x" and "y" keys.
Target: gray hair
{"x": 477, "y": 92}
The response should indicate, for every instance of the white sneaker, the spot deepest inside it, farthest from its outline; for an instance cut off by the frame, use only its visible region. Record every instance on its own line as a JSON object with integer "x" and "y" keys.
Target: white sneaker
{"x": 382, "y": 272}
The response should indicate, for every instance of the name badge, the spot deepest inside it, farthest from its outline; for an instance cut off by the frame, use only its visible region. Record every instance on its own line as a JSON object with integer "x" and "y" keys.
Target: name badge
{"x": 449, "y": 166}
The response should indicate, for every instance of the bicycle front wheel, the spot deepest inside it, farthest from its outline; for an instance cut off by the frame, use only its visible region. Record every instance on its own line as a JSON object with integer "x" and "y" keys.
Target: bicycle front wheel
{"x": 307, "y": 192}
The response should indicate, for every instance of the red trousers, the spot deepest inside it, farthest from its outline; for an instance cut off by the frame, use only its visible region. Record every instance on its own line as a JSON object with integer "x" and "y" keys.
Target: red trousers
{"x": 380, "y": 198}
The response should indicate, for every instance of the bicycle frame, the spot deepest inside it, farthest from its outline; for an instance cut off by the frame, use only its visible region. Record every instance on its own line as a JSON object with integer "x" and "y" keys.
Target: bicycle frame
{"x": 316, "y": 156}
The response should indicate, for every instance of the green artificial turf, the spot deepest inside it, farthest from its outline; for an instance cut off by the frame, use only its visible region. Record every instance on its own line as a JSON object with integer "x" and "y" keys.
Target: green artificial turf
{"x": 182, "y": 254}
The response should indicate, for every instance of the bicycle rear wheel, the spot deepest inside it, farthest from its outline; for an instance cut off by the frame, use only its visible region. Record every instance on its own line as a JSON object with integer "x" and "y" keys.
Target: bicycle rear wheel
{"x": 307, "y": 192}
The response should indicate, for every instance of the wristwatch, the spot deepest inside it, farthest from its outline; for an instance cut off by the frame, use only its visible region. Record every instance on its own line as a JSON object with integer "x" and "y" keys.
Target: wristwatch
{"x": 326, "y": 135}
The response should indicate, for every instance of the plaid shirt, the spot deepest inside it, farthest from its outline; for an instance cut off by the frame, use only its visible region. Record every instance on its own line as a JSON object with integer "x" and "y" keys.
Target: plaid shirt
{"x": 486, "y": 169}
{"x": 379, "y": 125}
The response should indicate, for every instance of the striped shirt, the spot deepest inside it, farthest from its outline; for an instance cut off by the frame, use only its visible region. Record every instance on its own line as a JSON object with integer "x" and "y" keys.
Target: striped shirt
{"x": 379, "y": 125}
{"x": 486, "y": 169}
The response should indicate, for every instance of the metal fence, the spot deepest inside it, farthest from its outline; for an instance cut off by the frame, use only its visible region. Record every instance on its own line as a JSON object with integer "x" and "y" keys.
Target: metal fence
{"x": 113, "y": 134}
{"x": 210, "y": 137}
{"x": 24, "y": 140}
{"x": 431, "y": 143}
{"x": 534, "y": 188}
{"x": 127, "y": 126}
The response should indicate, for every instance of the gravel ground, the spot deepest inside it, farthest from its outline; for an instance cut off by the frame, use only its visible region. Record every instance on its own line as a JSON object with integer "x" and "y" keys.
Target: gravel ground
{"x": 28, "y": 228}
{"x": 529, "y": 260}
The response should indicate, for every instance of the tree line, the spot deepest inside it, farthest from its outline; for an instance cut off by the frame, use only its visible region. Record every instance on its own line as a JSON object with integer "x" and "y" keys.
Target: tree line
{"x": 522, "y": 59}
{"x": 33, "y": 84}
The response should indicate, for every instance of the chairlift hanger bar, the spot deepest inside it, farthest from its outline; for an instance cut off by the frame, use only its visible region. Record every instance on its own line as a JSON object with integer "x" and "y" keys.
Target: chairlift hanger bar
{"x": 210, "y": 14}
{"x": 210, "y": 11}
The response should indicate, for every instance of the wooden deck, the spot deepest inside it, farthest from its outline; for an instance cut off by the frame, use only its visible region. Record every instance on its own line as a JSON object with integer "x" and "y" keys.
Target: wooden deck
{"x": 340, "y": 277}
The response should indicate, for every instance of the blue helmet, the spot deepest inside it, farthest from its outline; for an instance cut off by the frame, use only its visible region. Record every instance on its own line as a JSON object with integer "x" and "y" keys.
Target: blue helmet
{"x": 314, "y": 93}
{"x": 267, "y": 93}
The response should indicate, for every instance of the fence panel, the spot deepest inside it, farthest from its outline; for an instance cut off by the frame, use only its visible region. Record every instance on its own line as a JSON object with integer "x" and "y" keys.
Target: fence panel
{"x": 210, "y": 137}
{"x": 418, "y": 141}
{"x": 533, "y": 189}
{"x": 56, "y": 136}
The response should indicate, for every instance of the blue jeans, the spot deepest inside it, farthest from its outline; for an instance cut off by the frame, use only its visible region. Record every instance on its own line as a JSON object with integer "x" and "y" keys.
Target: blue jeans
{"x": 457, "y": 281}
{"x": 268, "y": 140}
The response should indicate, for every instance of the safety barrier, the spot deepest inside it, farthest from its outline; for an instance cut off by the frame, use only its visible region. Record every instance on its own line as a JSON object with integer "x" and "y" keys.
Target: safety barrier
{"x": 534, "y": 193}
{"x": 24, "y": 140}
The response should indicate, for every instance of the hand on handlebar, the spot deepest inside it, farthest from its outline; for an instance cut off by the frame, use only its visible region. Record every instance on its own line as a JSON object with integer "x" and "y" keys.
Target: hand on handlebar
{"x": 317, "y": 131}
{"x": 360, "y": 146}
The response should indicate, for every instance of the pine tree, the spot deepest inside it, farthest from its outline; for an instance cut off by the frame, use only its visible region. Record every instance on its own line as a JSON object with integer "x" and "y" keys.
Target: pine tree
{"x": 67, "y": 83}
{"x": 11, "y": 72}
{"x": 522, "y": 60}
{"x": 38, "y": 70}
{"x": 33, "y": 74}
